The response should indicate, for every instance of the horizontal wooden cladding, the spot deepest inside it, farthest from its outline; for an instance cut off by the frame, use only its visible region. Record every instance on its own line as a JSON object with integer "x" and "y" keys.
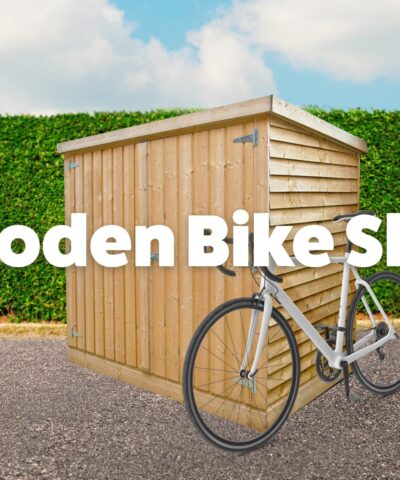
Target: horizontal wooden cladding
{"x": 311, "y": 199}
{"x": 286, "y": 132}
{"x": 312, "y": 155}
{"x": 307, "y": 169}
{"x": 291, "y": 216}
{"x": 283, "y": 183}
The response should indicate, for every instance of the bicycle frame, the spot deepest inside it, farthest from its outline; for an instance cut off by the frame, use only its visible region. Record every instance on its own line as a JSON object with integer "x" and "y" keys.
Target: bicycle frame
{"x": 271, "y": 290}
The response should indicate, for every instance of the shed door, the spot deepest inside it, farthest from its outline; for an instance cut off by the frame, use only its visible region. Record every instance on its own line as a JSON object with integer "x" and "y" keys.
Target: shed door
{"x": 196, "y": 173}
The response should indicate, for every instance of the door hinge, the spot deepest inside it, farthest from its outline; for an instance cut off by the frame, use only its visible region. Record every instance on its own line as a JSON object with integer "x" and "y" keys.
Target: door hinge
{"x": 73, "y": 165}
{"x": 74, "y": 333}
{"x": 252, "y": 138}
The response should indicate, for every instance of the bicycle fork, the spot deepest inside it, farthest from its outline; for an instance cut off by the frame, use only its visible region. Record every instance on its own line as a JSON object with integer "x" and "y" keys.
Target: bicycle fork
{"x": 266, "y": 315}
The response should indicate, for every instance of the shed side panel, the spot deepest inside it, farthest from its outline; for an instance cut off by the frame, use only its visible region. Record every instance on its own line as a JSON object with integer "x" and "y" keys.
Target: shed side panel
{"x": 311, "y": 180}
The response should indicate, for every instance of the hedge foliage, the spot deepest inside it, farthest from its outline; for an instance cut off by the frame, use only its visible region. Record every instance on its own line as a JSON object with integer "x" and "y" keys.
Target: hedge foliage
{"x": 31, "y": 188}
{"x": 32, "y": 192}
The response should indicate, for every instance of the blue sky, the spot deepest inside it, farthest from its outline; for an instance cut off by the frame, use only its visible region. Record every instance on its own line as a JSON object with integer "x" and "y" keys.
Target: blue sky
{"x": 140, "y": 55}
{"x": 171, "y": 20}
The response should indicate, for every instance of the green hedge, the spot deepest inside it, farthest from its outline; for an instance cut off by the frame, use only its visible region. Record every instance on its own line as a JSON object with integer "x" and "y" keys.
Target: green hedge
{"x": 31, "y": 193}
{"x": 31, "y": 188}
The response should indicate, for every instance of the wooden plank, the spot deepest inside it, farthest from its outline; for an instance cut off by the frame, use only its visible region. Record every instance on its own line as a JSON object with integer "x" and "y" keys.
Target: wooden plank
{"x": 80, "y": 271}
{"x": 216, "y": 279}
{"x": 307, "y": 169}
{"x": 233, "y": 200}
{"x": 201, "y": 179}
{"x": 304, "y": 215}
{"x": 69, "y": 202}
{"x": 171, "y": 275}
{"x": 185, "y": 201}
{"x": 109, "y": 311}
{"x": 311, "y": 154}
{"x": 156, "y": 217}
{"x": 304, "y": 275}
{"x": 285, "y": 132}
{"x": 261, "y": 167}
{"x": 311, "y": 199}
{"x": 89, "y": 270}
{"x": 307, "y": 289}
{"x": 142, "y": 273}
{"x": 119, "y": 273}
{"x": 130, "y": 280}
{"x": 284, "y": 183}
{"x": 98, "y": 270}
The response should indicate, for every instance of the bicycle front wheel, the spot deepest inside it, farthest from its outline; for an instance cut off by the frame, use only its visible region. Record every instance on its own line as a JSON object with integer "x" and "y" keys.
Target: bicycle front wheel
{"x": 230, "y": 409}
{"x": 379, "y": 371}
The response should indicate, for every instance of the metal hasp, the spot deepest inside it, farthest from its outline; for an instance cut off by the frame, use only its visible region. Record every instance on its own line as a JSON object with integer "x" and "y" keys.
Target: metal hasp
{"x": 73, "y": 165}
{"x": 252, "y": 138}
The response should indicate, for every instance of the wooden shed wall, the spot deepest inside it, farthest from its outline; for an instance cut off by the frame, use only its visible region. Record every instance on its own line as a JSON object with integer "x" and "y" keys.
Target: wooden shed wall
{"x": 311, "y": 181}
{"x": 143, "y": 318}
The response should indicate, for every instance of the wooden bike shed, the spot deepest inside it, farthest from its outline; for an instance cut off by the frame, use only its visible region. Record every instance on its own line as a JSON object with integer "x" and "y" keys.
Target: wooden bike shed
{"x": 134, "y": 324}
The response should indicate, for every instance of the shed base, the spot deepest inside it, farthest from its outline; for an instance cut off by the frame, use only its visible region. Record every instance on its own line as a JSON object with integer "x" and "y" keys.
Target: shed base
{"x": 307, "y": 392}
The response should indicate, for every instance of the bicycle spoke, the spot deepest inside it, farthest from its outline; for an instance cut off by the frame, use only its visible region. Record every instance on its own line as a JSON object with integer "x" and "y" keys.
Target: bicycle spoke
{"x": 226, "y": 346}
{"x": 213, "y": 354}
{"x": 216, "y": 381}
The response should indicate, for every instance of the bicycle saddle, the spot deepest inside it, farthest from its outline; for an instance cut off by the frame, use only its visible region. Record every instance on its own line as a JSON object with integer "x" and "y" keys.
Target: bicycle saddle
{"x": 349, "y": 216}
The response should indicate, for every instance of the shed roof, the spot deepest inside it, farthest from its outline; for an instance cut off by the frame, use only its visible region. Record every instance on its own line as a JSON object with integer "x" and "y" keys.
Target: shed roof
{"x": 214, "y": 116}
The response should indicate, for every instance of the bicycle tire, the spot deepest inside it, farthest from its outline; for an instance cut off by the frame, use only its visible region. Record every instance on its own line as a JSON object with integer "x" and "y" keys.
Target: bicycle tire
{"x": 367, "y": 369}
{"x": 188, "y": 373}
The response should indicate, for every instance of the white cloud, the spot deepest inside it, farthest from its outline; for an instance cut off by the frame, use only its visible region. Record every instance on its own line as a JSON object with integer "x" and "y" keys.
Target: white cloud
{"x": 66, "y": 55}
{"x": 73, "y": 55}
{"x": 353, "y": 40}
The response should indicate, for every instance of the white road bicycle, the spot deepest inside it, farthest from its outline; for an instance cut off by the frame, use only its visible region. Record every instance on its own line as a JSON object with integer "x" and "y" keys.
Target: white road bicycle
{"x": 242, "y": 368}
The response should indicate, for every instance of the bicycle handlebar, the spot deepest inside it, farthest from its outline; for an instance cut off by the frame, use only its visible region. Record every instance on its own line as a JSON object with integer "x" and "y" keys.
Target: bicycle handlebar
{"x": 264, "y": 270}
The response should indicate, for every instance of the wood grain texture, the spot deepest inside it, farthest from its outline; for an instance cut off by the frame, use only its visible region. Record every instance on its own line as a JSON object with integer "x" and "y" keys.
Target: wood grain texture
{"x": 69, "y": 203}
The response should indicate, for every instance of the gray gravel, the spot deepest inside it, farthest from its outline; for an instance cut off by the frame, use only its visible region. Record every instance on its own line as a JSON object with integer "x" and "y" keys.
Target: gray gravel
{"x": 60, "y": 421}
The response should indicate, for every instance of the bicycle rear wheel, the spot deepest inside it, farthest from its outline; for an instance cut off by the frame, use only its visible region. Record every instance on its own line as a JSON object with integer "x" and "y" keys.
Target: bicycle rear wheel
{"x": 230, "y": 409}
{"x": 378, "y": 371}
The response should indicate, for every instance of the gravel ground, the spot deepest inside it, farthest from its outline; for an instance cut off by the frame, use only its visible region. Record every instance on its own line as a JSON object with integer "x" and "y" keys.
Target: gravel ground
{"x": 60, "y": 421}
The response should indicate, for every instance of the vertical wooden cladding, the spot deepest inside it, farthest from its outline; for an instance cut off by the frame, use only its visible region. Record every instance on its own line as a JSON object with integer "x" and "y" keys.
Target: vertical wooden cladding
{"x": 311, "y": 181}
{"x": 145, "y": 317}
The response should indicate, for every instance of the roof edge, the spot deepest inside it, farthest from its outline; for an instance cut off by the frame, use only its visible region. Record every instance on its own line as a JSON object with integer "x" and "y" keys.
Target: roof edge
{"x": 248, "y": 108}
{"x": 297, "y": 115}
{"x": 215, "y": 116}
